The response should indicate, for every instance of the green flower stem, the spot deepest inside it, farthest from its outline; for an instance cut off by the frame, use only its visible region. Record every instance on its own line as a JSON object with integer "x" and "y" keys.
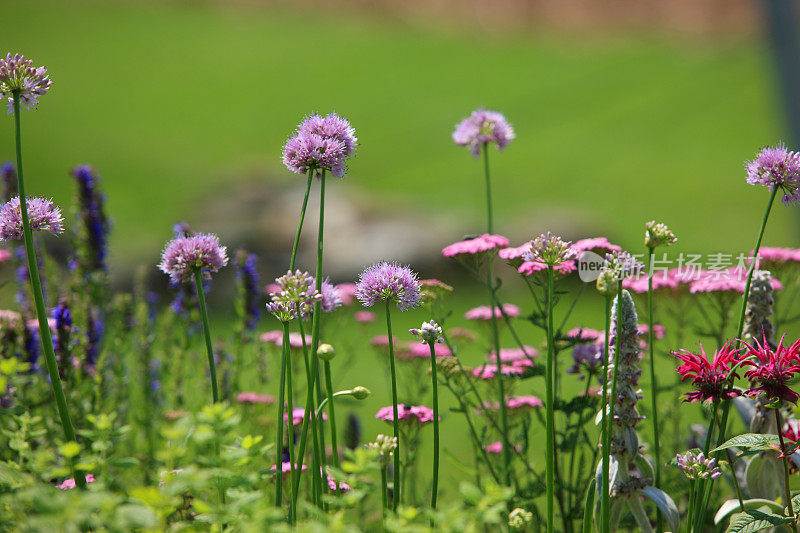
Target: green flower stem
{"x": 315, "y": 428}
{"x": 396, "y": 421}
{"x": 315, "y": 335}
{"x": 201, "y": 297}
{"x": 296, "y": 243}
{"x": 489, "y": 211}
{"x": 38, "y": 299}
{"x": 605, "y": 500}
{"x": 690, "y": 512}
{"x": 653, "y": 384}
{"x": 702, "y": 495}
{"x": 435, "y": 385}
{"x": 550, "y": 404}
{"x": 499, "y": 377}
{"x": 786, "y": 490}
{"x": 384, "y": 490}
{"x": 332, "y": 417}
{"x": 290, "y": 398}
{"x": 279, "y": 437}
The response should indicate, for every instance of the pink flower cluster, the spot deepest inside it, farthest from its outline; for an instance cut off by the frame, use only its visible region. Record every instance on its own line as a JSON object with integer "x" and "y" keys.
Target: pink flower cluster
{"x": 484, "y": 313}
{"x": 69, "y": 484}
{"x": 489, "y": 371}
{"x": 276, "y": 337}
{"x": 478, "y": 245}
{"x": 510, "y": 355}
{"x": 418, "y": 350}
{"x": 255, "y": 398}
{"x": 418, "y": 413}
{"x": 297, "y": 416}
{"x": 497, "y": 447}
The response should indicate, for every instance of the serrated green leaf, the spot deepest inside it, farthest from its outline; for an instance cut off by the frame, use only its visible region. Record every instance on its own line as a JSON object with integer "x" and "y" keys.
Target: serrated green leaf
{"x": 751, "y": 442}
{"x": 754, "y": 520}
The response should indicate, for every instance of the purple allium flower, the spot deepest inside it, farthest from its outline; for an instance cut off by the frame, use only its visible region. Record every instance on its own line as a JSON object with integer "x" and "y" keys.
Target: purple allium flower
{"x": 658, "y": 234}
{"x": 295, "y": 296}
{"x": 549, "y": 249}
{"x": 483, "y": 127}
{"x": 388, "y": 282}
{"x": 331, "y": 299}
{"x": 18, "y": 76}
{"x": 9, "y": 175}
{"x": 331, "y": 126}
{"x": 428, "y": 332}
{"x": 93, "y": 217}
{"x": 776, "y": 167}
{"x": 697, "y": 466}
{"x": 320, "y": 143}
{"x": 183, "y": 255}
{"x": 43, "y": 215}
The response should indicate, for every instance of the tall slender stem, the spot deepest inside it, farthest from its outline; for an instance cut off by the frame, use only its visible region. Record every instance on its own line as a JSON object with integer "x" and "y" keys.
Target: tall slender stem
{"x": 201, "y": 297}
{"x": 290, "y": 398}
{"x": 317, "y": 316}
{"x": 605, "y": 501}
{"x": 435, "y": 384}
{"x": 550, "y": 404}
{"x": 279, "y": 437}
{"x": 786, "y": 489}
{"x": 396, "y": 421}
{"x": 702, "y": 494}
{"x": 384, "y": 490}
{"x": 296, "y": 243}
{"x": 489, "y": 210}
{"x": 313, "y": 423}
{"x": 653, "y": 383}
{"x": 499, "y": 377}
{"x": 38, "y": 298}
{"x": 332, "y": 417}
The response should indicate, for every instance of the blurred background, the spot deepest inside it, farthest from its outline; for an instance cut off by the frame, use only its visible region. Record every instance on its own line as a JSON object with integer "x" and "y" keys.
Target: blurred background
{"x": 624, "y": 110}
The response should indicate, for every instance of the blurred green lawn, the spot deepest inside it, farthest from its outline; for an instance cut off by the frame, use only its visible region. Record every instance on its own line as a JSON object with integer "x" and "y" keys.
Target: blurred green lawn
{"x": 171, "y": 100}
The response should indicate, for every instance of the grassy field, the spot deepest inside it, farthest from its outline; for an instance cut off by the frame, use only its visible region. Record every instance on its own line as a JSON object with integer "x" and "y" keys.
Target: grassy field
{"x": 171, "y": 101}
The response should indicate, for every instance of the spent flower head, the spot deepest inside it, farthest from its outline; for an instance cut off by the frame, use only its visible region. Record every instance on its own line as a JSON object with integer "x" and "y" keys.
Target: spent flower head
{"x": 483, "y": 127}
{"x": 428, "y": 332}
{"x": 43, "y": 215}
{"x": 519, "y": 518}
{"x": 182, "y": 256}
{"x": 385, "y": 446}
{"x": 658, "y": 234}
{"x": 388, "y": 282}
{"x": 18, "y": 76}
{"x": 698, "y": 466}
{"x": 776, "y": 167}
{"x": 549, "y": 249}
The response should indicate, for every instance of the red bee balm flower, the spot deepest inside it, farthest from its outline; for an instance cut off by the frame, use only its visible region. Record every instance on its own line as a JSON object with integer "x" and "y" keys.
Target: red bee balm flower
{"x": 711, "y": 379}
{"x": 772, "y": 370}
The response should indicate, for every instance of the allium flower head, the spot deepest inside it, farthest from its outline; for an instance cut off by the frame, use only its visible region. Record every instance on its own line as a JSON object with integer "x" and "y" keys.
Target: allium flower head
{"x": 19, "y": 76}
{"x": 772, "y": 370}
{"x": 331, "y": 299}
{"x": 776, "y": 167}
{"x": 698, "y": 466}
{"x": 388, "y": 282}
{"x": 483, "y": 127}
{"x": 658, "y": 234}
{"x": 711, "y": 379}
{"x": 428, "y": 332}
{"x": 331, "y": 126}
{"x": 43, "y": 215}
{"x": 549, "y": 249}
{"x": 296, "y": 294}
{"x": 320, "y": 143}
{"x": 183, "y": 255}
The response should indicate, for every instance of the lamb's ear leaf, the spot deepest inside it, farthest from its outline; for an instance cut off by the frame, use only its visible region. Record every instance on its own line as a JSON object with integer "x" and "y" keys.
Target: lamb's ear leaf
{"x": 731, "y": 506}
{"x": 588, "y": 507}
{"x": 666, "y": 505}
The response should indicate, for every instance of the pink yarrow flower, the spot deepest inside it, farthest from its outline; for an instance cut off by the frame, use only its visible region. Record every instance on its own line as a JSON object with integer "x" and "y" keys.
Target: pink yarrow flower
{"x": 255, "y": 398}
{"x": 69, "y": 484}
{"x": 489, "y": 371}
{"x": 365, "y": 317}
{"x": 347, "y": 293}
{"x": 485, "y": 314}
{"x": 418, "y": 350}
{"x": 405, "y": 412}
{"x": 479, "y": 245}
{"x": 497, "y": 447}
{"x": 732, "y": 279}
{"x": 297, "y": 416}
{"x": 510, "y": 355}
{"x": 595, "y": 244}
{"x": 286, "y": 467}
{"x": 276, "y": 337}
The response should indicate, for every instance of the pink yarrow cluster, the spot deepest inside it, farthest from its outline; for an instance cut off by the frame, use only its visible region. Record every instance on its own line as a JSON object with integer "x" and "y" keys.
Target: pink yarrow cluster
{"x": 510, "y": 355}
{"x": 276, "y": 337}
{"x": 732, "y": 279}
{"x": 484, "y": 313}
{"x": 411, "y": 413}
{"x": 255, "y": 398}
{"x": 489, "y": 371}
{"x": 297, "y": 416}
{"x": 481, "y": 244}
{"x": 69, "y": 484}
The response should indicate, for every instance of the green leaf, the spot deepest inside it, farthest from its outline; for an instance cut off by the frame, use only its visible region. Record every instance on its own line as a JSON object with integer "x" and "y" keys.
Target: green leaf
{"x": 731, "y": 506}
{"x": 751, "y": 442}
{"x": 754, "y": 520}
{"x": 666, "y": 505}
{"x": 588, "y": 508}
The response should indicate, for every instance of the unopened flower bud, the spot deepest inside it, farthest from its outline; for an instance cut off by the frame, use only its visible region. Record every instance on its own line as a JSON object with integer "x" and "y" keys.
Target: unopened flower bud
{"x": 360, "y": 393}
{"x": 326, "y": 352}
